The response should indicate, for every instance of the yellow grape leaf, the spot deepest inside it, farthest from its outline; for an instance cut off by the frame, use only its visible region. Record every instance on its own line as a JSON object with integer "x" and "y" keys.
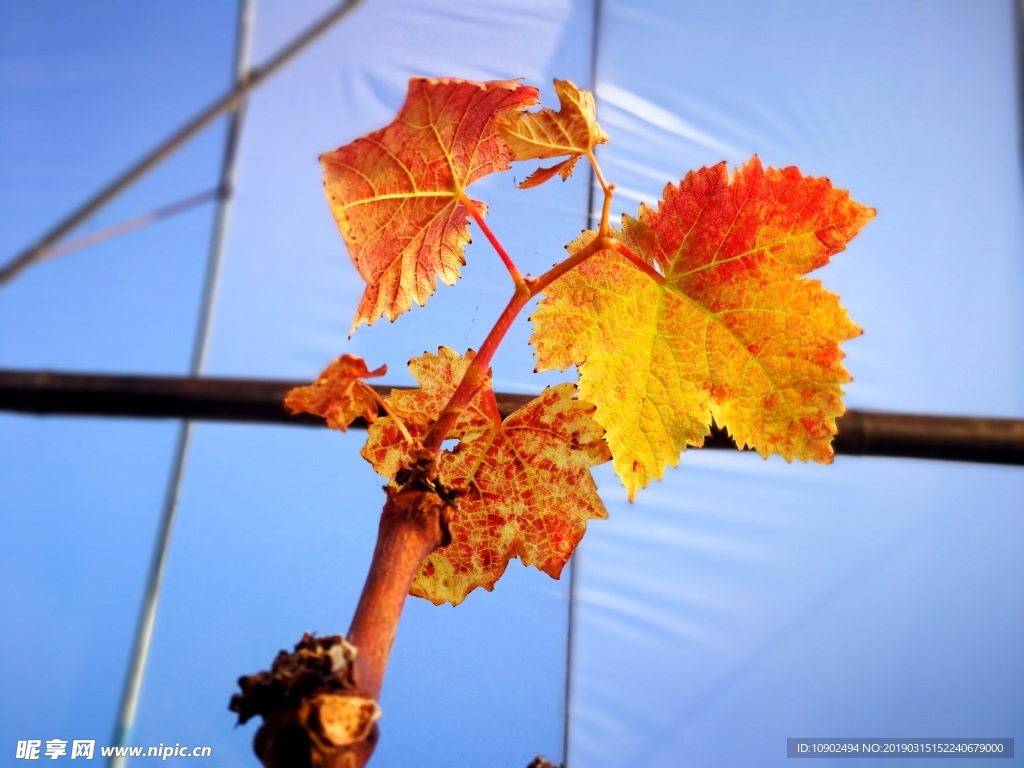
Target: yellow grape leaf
{"x": 338, "y": 394}
{"x": 733, "y": 334}
{"x": 398, "y": 194}
{"x": 529, "y": 492}
{"x": 573, "y": 131}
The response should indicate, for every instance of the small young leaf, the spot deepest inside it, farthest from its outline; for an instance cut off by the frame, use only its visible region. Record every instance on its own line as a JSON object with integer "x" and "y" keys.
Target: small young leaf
{"x": 529, "y": 492}
{"x": 733, "y": 334}
{"x": 396, "y": 193}
{"x": 573, "y": 130}
{"x": 337, "y": 394}
{"x": 538, "y": 177}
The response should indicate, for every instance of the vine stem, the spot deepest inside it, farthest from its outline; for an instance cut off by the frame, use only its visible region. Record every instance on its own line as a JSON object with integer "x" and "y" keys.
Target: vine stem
{"x": 526, "y": 289}
{"x": 476, "y": 372}
{"x": 412, "y": 525}
{"x": 414, "y": 521}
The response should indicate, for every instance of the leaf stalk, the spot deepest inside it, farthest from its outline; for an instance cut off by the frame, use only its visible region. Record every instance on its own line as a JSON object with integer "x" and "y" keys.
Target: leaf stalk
{"x": 637, "y": 262}
{"x": 604, "y": 229}
{"x": 387, "y": 409}
{"x": 513, "y": 270}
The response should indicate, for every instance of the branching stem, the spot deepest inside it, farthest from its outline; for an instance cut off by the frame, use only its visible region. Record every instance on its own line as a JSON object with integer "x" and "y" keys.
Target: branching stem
{"x": 526, "y": 289}
{"x": 414, "y": 521}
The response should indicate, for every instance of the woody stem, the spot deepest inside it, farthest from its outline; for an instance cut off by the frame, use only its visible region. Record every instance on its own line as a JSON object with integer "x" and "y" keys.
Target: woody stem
{"x": 413, "y": 521}
{"x": 412, "y": 526}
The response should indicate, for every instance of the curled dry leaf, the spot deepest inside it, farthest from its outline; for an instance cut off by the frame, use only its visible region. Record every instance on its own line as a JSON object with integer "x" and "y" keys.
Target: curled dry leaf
{"x": 313, "y": 712}
{"x": 529, "y": 492}
{"x": 397, "y": 193}
{"x": 733, "y": 334}
{"x": 572, "y": 131}
{"x": 338, "y": 394}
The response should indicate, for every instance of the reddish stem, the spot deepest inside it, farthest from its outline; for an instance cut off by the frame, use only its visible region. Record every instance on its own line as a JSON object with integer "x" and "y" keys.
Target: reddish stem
{"x": 639, "y": 263}
{"x": 538, "y": 284}
{"x": 510, "y": 265}
{"x": 412, "y": 525}
{"x": 414, "y": 521}
{"x": 477, "y": 370}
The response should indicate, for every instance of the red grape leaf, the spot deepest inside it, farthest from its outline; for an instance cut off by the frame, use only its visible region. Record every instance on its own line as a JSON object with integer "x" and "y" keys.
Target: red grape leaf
{"x": 734, "y": 334}
{"x": 529, "y": 492}
{"x": 573, "y": 131}
{"x": 398, "y": 193}
{"x": 338, "y": 394}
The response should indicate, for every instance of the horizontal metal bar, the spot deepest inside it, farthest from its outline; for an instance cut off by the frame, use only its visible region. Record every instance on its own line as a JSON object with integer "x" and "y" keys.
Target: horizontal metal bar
{"x": 861, "y": 433}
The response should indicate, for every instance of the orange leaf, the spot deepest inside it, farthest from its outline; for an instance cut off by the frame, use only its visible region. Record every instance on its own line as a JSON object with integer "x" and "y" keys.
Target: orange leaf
{"x": 538, "y": 177}
{"x": 733, "y": 334}
{"x": 529, "y": 489}
{"x": 338, "y": 394}
{"x": 573, "y": 130}
{"x": 397, "y": 193}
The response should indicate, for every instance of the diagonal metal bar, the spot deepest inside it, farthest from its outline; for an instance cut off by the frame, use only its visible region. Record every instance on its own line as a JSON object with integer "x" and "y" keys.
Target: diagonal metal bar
{"x": 258, "y": 401}
{"x": 218, "y": 238}
{"x": 124, "y": 227}
{"x": 228, "y": 101}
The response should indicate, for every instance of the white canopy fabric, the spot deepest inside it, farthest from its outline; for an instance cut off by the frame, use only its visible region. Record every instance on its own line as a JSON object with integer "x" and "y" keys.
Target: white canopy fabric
{"x": 734, "y": 604}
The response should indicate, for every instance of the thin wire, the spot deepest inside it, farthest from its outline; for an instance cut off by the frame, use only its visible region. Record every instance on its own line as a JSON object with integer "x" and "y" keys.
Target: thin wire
{"x": 147, "y": 614}
{"x": 595, "y": 36}
{"x": 131, "y": 225}
{"x": 228, "y": 101}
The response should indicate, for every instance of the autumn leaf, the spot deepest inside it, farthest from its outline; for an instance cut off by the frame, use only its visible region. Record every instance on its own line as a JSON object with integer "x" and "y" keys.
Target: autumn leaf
{"x": 573, "y": 131}
{"x": 529, "y": 492}
{"x": 732, "y": 334}
{"x": 398, "y": 194}
{"x": 338, "y": 394}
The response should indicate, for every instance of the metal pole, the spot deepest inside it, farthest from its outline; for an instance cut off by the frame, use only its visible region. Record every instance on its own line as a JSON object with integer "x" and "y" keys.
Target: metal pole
{"x": 227, "y": 102}
{"x": 592, "y": 216}
{"x": 259, "y": 401}
{"x": 147, "y": 613}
